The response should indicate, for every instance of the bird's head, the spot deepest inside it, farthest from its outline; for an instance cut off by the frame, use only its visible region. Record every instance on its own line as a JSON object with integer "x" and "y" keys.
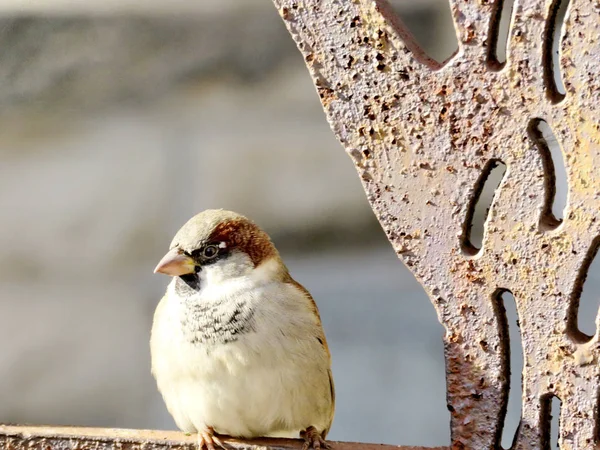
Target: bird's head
{"x": 217, "y": 245}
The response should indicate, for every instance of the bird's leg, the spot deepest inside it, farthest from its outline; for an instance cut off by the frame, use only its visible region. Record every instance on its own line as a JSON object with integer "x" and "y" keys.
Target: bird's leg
{"x": 207, "y": 440}
{"x": 313, "y": 440}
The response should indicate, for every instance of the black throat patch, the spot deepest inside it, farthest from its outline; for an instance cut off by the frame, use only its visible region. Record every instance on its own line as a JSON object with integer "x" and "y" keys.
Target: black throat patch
{"x": 187, "y": 285}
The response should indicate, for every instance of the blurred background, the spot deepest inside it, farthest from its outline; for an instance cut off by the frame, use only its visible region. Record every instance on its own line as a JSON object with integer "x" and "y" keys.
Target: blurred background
{"x": 120, "y": 120}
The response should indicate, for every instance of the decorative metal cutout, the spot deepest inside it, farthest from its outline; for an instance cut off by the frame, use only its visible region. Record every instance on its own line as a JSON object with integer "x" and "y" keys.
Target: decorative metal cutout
{"x": 421, "y": 135}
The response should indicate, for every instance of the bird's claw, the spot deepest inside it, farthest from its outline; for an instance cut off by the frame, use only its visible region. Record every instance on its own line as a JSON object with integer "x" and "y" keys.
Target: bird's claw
{"x": 207, "y": 440}
{"x": 219, "y": 442}
{"x": 313, "y": 440}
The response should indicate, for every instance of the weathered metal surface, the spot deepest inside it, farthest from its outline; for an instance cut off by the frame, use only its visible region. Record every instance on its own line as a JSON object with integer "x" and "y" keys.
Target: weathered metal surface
{"x": 70, "y": 438}
{"x": 422, "y": 134}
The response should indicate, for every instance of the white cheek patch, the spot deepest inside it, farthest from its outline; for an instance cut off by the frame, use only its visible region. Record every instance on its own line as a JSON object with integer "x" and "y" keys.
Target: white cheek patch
{"x": 222, "y": 245}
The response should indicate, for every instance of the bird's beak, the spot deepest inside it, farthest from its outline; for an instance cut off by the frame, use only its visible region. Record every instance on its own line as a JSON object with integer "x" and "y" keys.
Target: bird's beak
{"x": 175, "y": 263}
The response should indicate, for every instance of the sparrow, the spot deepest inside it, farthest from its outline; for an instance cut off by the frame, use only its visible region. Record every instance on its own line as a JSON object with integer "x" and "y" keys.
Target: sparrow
{"x": 237, "y": 345}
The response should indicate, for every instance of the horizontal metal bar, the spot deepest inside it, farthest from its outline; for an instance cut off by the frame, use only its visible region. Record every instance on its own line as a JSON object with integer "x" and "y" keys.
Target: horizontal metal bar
{"x": 15, "y": 437}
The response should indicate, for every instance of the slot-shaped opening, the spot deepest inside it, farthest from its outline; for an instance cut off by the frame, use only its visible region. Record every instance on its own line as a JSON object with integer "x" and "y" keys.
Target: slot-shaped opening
{"x": 478, "y": 210}
{"x": 555, "y": 174}
{"x": 431, "y": 29}
{"x": 554, "y": 30}
{"x": 585, "y": 301}
{"x": 498, "y": 34}
{"x": 510, "y": 334}
{"x": 550, "y": 416}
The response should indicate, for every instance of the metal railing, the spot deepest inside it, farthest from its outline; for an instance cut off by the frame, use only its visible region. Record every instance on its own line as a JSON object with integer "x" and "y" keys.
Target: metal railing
{"x": 424, "y": 136}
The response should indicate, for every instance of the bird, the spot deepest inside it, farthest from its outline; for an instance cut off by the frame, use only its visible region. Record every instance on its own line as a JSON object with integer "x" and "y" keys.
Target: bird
{"x": 237, "y": 345}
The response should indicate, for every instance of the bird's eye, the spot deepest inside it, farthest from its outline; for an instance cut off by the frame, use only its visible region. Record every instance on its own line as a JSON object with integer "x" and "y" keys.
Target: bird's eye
{"x": 210, "y": 251}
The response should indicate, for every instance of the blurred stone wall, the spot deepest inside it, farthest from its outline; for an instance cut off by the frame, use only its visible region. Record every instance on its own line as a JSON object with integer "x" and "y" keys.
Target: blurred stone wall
{"x": 117, "y": 123}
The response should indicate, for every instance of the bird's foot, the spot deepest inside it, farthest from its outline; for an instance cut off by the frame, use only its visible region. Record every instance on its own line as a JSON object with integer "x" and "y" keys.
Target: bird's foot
{"x": 207, "y": 440}
{"x": 313, "y": 440}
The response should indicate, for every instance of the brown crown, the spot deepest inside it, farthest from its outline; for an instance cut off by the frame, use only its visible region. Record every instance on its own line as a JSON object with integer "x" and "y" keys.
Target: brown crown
{"x": 243, "y": 235}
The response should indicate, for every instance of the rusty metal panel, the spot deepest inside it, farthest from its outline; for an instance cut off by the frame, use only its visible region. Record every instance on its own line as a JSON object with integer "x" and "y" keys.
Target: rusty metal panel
{"x": 423, "y": 137}
{"x": 71, "y": 438}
